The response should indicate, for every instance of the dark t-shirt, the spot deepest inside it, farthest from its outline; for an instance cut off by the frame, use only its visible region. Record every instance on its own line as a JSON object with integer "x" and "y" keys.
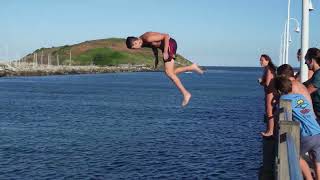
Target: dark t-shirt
{"x": 315, "y": 81}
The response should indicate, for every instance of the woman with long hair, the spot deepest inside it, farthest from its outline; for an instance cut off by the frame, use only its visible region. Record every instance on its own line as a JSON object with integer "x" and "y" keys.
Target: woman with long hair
{"x": 267, "y": 81}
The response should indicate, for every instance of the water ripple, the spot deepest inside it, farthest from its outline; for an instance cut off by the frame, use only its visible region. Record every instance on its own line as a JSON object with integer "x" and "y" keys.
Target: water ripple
{"x": 93, "y": 127}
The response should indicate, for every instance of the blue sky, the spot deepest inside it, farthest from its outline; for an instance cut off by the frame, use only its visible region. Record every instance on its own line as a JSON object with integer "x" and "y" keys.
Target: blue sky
{"x": 208, "y": 32}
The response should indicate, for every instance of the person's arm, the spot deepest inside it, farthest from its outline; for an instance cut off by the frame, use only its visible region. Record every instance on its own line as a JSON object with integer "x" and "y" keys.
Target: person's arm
{"x": 313, "y": 84}
{"x": 155, "y": 53}
{"x": 155, "y": 37}
{"x": 311, "y": 89}
{"x": 166, "y": 46}
{"x": 262, "y": 80}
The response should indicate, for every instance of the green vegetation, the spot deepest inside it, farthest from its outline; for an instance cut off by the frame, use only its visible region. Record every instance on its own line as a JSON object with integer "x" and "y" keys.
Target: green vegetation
{"x": 110, "y": 57}
{"x": 102, "y": 52}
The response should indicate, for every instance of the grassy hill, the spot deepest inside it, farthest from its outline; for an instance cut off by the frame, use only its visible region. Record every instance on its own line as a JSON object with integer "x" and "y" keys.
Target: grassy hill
{"x": 103, "y": 52}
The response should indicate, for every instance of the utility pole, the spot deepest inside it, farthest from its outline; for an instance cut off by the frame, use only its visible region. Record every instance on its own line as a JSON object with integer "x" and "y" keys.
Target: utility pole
{"x": 34, "y": 59}
{"x": 17, "y": 59}
{"x": 41, "y": 59}
{"x": 287, "y": 35}
{"x": 304, "y": 39}
{"x": 57, "y": 59}
{"x": 7, "y": 53}
{"x": 49, "y": 57}
{"x": 70, "y": 61}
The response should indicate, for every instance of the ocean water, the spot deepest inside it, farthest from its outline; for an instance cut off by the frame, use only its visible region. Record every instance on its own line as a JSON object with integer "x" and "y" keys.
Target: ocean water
{"x": 131, "y": 126}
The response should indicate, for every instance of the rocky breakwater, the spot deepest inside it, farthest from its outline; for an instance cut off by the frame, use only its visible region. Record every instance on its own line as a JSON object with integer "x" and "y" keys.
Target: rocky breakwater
{"x": 27, "y": 69}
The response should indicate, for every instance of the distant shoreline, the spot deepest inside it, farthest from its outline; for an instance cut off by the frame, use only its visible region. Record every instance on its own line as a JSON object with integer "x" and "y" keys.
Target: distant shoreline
{"x": 7, "y": 70}
{"x": 28, "y": 69}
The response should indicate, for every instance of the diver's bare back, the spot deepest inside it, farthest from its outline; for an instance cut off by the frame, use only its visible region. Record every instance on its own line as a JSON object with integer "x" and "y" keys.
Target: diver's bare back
{"x": 150, "y": 43}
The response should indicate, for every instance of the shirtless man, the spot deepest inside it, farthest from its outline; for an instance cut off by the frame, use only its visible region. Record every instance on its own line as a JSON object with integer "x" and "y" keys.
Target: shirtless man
{"x": 168, "y": 46}
{"x": 297, "y": 87}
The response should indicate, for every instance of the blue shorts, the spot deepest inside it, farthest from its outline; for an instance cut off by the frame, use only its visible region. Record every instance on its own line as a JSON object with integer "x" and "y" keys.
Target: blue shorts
{"x": 311, "y": 144}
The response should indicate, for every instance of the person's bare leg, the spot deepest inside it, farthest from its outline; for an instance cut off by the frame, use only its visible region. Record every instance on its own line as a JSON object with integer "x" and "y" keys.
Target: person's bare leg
{"x": 269, "y": 131}
{"x": 305, "y": 169}
{"x": 169, "y": 69}
{"x": 193, "y": 67}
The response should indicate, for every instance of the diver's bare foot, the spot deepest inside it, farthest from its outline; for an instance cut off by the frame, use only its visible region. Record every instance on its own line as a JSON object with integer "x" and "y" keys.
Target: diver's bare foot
{"x": 186, "y": 99}
{"x": 196, "y": 68}
{"x": 267, "y": 134}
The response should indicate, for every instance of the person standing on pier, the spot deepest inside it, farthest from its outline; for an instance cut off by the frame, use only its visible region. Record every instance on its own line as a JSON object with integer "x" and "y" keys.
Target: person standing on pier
{"x": 309, "y": 128}
{"x": 168, "y": 46}
{"x": 297, "y": 75}
{"x": 267, "y": 81}
{"x": 313, "y": 84}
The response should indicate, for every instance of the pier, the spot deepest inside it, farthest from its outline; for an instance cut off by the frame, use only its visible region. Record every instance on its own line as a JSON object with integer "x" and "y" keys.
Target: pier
{"x": 281, "y": 152}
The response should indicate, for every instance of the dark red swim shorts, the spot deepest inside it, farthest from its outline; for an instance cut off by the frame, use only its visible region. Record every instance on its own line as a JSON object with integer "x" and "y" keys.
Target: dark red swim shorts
{"x": 172, "y": 50}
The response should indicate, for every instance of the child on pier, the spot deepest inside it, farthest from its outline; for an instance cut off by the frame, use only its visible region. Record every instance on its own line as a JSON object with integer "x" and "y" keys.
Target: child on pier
{"x": 168, "y": 46}
{"x": 309, "y": 128}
